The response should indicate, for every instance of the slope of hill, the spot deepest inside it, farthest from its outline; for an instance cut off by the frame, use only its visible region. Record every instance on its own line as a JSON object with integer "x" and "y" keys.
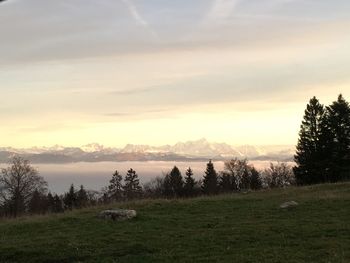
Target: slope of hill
{"x": 229, "y": 228}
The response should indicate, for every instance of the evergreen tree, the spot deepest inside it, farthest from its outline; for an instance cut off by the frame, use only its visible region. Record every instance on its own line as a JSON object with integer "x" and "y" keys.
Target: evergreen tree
{"x": 82, "y": 198}
{"x": 54, "y": 204}
{"x": 189, "y": 183}
{"x": 58, "y": 207}
{"x": 338, "y": 124}
{"x": 132, "y": 188}
{"x": 50, "y": 203}
{"x": 210, "y": 180}
{"x": 326, "y": 149}
{"x": 167, "y": 190}
{"x": 255, "y": 179}
{"x": 37, "y": 203}
{"x": 16, "y": 205}
{"x": 104, "y": 199}
{"x": 246, "y": 177}
{"x": 226, "y": 182}
{"x": 70, "y": 198}
{"x": 115, "y": 188}
{"x": 309, "y": 157}
{"x": 176, "y": 182}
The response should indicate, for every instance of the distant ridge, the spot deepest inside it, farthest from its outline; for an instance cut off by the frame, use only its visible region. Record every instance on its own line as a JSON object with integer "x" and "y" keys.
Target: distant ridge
{"x": 197, "y": 150}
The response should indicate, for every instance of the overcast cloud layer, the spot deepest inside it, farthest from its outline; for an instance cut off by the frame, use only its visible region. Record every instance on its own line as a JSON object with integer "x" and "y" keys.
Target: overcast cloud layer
{"x": 159, "y": 71}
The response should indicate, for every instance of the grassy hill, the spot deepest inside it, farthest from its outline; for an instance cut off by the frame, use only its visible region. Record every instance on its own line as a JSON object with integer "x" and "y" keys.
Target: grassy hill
{"x": 227, "y": 228}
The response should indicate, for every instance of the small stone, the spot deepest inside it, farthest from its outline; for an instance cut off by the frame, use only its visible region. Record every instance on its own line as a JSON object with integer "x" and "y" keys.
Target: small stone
{"x": 118, "y": 214}
{"x": 289, "y": 204}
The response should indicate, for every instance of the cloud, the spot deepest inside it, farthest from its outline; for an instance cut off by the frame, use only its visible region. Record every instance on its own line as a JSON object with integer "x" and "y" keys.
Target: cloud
{"x": 139, "y": 18}
{"x": 221, "y": 10}
{"x": 142, "y": 114}
{"x": 50, "y": 127}
{"x": 137, "y": 113}
{"x": 117, "y": 114}
{"x": 127, "y": 92}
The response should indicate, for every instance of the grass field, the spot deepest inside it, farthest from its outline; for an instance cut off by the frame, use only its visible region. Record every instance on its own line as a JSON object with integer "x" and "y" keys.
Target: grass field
{"x": 228, "y": 228}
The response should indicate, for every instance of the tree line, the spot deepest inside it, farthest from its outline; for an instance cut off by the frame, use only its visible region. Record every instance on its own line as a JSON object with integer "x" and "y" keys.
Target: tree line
{"x": 237, "y": 176}
{"x": 24, "y": 191}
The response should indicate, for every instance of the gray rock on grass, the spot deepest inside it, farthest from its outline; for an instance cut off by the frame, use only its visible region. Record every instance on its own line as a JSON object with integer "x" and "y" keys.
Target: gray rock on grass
{"x": 288, "y": 204}
{"x": 118, "y": 214}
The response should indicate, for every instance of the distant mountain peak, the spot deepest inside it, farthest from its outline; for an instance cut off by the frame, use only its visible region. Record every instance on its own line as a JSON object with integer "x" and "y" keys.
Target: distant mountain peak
{"x": 92, "y": 147}
{"x": 195, "y": 148}
{"x": 190, "y": 150}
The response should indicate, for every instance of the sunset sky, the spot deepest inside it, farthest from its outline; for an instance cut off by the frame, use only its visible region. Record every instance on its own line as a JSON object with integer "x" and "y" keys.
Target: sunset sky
{"x": 160, "y": 71}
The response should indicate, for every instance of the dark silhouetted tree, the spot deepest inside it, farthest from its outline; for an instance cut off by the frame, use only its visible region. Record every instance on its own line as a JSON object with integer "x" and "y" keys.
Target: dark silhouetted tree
{"x": 246, "y": 177}
{"x": 255, "y": 179}
{"x": 176, "y": 182}
{"x": 132, "y": 188}
{"x": 58, "y": 205}
{"x": 239, "y": 175}
{"x": 18, "y": 183}
{"x": 228, "y": 176}
{"x": 70, "y": 198}
{"x": 82, "y": 197}
{"x": 115, "y": 188}
{"x": 210, "y": 180}
{"x": 93, "y": 196}
{"x": 279, "y": 175}
{"x": 104, "y": 198}
{"x": 236, "y": 175}
{"x": 54, "y": 204}
{"x": 154, "y": 188}
{"x": 38, "y": 204}
{"x": 226, "y": 182}
{"x": 50, "y": 203}
{"x": 190, "y": 182}
{"x": 310, "y": 162}
{"x": 167, "y": 190}
{"x": 338, "y": 124}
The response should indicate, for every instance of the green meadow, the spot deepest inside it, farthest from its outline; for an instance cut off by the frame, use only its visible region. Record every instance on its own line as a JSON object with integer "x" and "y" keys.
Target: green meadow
{"x": 245, "y": 227}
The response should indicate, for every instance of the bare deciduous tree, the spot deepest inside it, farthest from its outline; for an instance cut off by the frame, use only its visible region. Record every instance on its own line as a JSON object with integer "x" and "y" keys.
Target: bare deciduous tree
{"x": 18, "y": 182}
{"x": 236, "y": 175}
{"x": 279, "y": 175}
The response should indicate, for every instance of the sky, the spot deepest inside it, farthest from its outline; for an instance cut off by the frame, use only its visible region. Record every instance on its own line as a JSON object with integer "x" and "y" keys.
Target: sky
{"x": 157, "y": 72}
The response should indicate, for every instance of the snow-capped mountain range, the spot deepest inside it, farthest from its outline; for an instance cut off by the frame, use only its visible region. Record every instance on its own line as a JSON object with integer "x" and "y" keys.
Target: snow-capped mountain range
{"x": 182, "y": 151}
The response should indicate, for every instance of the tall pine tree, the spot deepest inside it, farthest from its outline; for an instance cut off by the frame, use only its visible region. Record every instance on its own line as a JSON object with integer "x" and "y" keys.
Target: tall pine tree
{"x": 82, "y": 197}
{"x": 70, "y": 198}
{"x": 50, "y": 202}
{"x": 210, "y": 180}
{"x": 58, "y": 207}
{"x": 167, "y": 189}
{"x": 115, "y": 188}
{"x": 310, "y": 166}
{"x": 189, "y": 183}
{"x": 176, "y": 182}
{"x": 37, "y": 203}
{"x": 255, "y": 179}
{"x": 338, "y": 124}
{"x": 132, "y": 188}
